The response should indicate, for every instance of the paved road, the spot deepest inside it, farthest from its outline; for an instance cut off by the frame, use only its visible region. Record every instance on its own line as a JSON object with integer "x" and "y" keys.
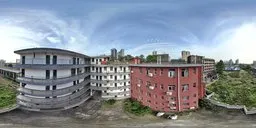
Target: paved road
{"x": 200, "y": 119}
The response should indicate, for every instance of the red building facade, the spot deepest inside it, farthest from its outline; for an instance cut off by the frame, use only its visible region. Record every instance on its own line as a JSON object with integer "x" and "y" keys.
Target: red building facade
{"x": 168, "y": 88}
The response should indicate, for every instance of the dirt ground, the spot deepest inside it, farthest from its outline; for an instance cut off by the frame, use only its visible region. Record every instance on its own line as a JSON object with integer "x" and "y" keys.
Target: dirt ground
{"x": 115, "y": 117}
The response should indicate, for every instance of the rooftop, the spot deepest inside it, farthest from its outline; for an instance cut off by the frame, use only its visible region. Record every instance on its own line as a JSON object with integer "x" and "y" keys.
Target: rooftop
{"x": 48, "y": 50}
{"x": 165, "y": 65}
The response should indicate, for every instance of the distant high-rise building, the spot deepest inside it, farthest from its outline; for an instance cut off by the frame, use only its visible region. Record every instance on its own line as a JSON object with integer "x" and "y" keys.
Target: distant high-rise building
{"x": 154, "y": 53}
{"x": 185, "y": 55}
{"x": 121, "y": 53}
{"x": 2, "y": 63}
{"x": 113, "y": 54}
{"x": 237, "y": 61}
{"x": 230, "y": 62}
{"x": 162, "y": 58}
{"x": 194, "y": 59}
{"x": 254, "y": 63}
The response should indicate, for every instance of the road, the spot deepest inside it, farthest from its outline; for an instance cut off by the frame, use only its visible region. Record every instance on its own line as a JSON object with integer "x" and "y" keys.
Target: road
{"x": 199, "y": 119}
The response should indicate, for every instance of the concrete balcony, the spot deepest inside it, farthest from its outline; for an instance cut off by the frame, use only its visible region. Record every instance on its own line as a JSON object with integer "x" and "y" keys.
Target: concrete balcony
{"x": 51, "y": 66}
{"x": 109, "y": 81}
{"x": 115, "y": 93}
{"x": 110, "y": 88}
{"x": 109, "y": 73}
{"x": 57, "y": 92}
{"x": 51, "y": 101}
{"x": 54, "y": 106}
{"x": 56, "y": 81}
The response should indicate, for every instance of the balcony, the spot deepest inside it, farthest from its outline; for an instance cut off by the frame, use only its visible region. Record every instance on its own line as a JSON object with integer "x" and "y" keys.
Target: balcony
{"x": 52, "y": 106}
{"x": 36, "y": 81}
{"x": 103, "y": 73}
{"x": 50, "y": 101}
{"x": 57, "y": 92}
{"x": 109, "y": 81}
{"x": 115, "y": 93}
{"x": 38, "y": 63}
{"x": 109, "y": 88}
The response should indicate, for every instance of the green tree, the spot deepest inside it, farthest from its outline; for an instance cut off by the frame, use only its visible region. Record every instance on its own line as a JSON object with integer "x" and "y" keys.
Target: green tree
{"x": 151, "y": 58}
{"x": 220, "y": 67}
{"x": 128, "y": 57}
{"x": 142, "y": 58}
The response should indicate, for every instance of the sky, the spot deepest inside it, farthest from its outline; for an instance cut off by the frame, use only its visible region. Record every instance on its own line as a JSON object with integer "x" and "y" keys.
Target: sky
{"x": 213, "y": 28}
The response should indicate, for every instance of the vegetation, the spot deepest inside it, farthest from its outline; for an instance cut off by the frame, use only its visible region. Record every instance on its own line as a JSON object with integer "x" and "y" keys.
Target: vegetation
{"x": 7, "y": 93}
{"x": 247, "y": 68}
{"x": 151, "y": 58}
{"x": 110, "y": 102}
{"x": 136, "y": 108}
{"x": 220, "y": 67}
{"x": 236, "y": 88}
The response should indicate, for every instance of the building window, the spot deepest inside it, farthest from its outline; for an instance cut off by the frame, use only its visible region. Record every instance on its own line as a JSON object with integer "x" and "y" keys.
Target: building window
{"x": 185, "y": 97}
{"x": 162, "y": 97}
{"x": 155, "y": 85}
{"x": 194, "y": 70}
{"x": 111, "y": 68}
{"x": 171, "y": 73}
{"x": 105, "y": 77}
{"x": 111, "y": 76}
{"x": 161, "y": 71}
{"x": 148, "y": 71}
{"x": 184, "y": 72}
{"x": 173, "y": 105}
{"x": 155, "y": 71}
{"x": 194, "y": 85}
{"x": 105, "y": 68}
{"x": 194, "y": 95}
{"x": 171, "y": 87}
{"x": 93, "y": 68}
{"x": 140, "y": 70}
{"x": 92, "y": 59}
{"x": 162, "y": 86}
{"x": 194, "y": 102}
{"x": 186, "y": 104}
{"x": 173, "y": 98}
{"x": 47, "y": 88}
{"x": 185, "y": 87}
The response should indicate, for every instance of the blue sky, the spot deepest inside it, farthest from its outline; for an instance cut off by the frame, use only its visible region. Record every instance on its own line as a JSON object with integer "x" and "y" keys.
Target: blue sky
{"x": 214, "y": 28}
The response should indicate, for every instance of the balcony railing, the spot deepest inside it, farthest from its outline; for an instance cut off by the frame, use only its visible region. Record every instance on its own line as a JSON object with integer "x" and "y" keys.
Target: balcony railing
{"x": 115, "y": 93}
{"x": 38, "y": 81}
{"x": 109, "y": 81}
{"x": 109, "y": 88}
{"x": 61, "y": 105}
{"x": 57, "y": 92}
{"x": 49, "y": 101}
{"x": 58, "y": 61}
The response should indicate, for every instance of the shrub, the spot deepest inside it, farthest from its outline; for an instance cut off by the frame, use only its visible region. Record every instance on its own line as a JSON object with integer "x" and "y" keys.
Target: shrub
{"x": 136, "y": 108}
{"x": 234, "y": 75}
{"x": 110, "y": 102}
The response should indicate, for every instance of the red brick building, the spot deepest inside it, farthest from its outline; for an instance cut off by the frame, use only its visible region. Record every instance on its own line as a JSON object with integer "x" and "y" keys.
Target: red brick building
{"x": 169, "y": 88}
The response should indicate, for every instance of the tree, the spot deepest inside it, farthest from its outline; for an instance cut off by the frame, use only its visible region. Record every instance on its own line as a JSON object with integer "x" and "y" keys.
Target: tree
{"x": 151, "y": 58}
{"x": 128, "y": 57}
{"x": 142, "y": 58}
{"x": 220, "y": 67}
{"x": 247, "y": 68}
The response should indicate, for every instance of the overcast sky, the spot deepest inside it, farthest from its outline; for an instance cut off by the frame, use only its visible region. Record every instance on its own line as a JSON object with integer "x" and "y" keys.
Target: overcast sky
{"x": 219, "y": 29}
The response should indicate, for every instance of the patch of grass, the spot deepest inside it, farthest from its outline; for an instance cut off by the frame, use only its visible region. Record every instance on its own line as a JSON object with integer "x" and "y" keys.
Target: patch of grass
{"x": 7, "y": 96}
{"x": 136, "y": 108}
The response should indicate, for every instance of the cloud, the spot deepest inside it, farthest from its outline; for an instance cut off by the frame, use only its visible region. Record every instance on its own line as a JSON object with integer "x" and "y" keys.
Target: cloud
{"x": 22, "y": 28}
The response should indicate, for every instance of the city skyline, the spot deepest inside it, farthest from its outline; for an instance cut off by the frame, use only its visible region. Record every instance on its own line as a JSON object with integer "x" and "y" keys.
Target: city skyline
{"x": 215, "y": 29}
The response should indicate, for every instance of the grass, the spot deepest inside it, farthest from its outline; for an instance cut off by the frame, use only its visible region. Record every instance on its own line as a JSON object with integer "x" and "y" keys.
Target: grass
{"x": 235, "y": 88}
{"x": 7, "y": 93}
{"x": 135, "y": 107}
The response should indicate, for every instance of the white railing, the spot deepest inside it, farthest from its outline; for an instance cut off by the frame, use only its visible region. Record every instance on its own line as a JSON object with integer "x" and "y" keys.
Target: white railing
{"x": 58, "y": 61}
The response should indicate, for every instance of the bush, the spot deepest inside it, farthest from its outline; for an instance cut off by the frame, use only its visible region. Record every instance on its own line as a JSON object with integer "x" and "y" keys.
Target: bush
{"x": 110, "y": 102}
{"x": 234, "y": 75}
{"x": 136, "y": 108}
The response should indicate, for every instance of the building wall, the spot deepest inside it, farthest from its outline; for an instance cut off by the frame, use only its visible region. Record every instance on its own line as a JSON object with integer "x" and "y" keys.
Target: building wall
{"x": 158, "y": 98}
{"x": 30, "y": 97}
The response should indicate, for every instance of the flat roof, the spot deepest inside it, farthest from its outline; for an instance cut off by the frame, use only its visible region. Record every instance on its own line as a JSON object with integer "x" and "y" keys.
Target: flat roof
{"x": 10, "y": 69}
{"x": 166, "y": 65}
{"x": 49, "y": 50}
{"x": 100, "y": 56}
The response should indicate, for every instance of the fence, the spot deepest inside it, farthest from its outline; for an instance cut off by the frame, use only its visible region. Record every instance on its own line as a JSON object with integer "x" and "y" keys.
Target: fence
{"x": 227, "y": 106}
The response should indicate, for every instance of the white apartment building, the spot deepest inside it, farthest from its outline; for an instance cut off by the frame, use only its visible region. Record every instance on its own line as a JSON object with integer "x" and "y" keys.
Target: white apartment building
{"x": 52, "y": 79}
{"x": 110, "y": 79}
